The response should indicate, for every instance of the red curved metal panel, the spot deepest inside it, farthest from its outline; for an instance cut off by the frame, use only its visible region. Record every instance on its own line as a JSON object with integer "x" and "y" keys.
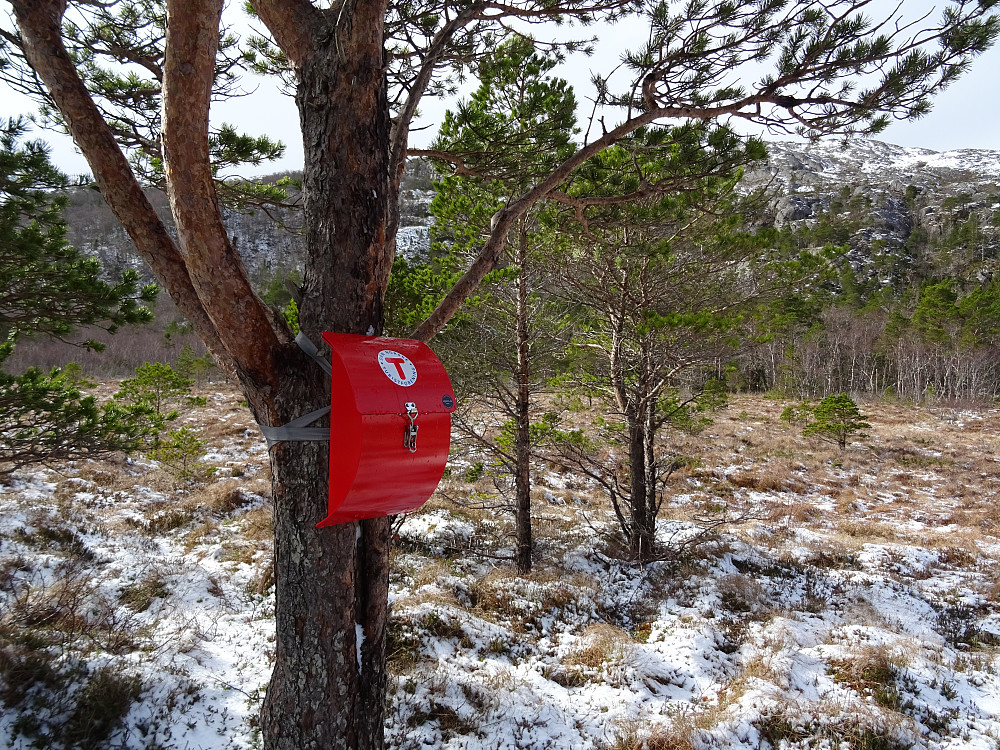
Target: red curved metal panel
{"x": 377, "y": 384}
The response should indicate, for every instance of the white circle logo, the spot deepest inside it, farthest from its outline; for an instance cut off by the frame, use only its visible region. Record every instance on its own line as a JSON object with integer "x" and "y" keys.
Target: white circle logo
{"x": 397, "y": 367}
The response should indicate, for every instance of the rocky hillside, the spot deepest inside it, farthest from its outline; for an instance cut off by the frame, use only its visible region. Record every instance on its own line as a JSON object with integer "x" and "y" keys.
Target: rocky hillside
{"x": 268, "y": 240}
{"x": 904, "y": 211}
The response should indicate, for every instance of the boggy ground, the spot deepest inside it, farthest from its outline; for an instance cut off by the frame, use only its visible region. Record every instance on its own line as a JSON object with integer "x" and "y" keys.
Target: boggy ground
{"x": 855, "y": 606}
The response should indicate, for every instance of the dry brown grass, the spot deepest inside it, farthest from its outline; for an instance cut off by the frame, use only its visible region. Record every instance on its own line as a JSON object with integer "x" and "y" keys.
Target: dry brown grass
{"x": 430, "y": 572}
{"x": 867, "y": 531}
{"x": 231, "y": 429}
{"x": 600, "y": 644}
{"x": 258, "y": 525}
{"x": 636, "y": 735}
{"x": 436, "y": 596}
{"x": 229, "y": 495}
{"x": 771, "y": 478}
{"x": 496, "y": 594}
{"x": 873, "y": 673}
{"x": 799, "y": 513}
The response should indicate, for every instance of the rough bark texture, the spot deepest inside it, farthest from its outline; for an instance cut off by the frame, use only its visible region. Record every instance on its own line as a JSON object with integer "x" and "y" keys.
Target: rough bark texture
{"x": 640, "y": 536}
{"x": 522, "y": 404}
{"x": 332, "y": 583}
{"x": 215, "y": 268}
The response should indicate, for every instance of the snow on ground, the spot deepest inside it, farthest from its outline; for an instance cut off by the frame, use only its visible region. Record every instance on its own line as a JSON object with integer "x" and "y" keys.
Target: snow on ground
{"x": 856, "y": 605}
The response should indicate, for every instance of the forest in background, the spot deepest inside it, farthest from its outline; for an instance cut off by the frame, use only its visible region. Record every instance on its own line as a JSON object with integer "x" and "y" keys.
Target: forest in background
{"x": 909, "y": 309}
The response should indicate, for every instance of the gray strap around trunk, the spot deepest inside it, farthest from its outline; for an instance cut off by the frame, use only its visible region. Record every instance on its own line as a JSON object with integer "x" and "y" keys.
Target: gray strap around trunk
{"x": 306, "y": 345}
{"x": 298, "y": 428}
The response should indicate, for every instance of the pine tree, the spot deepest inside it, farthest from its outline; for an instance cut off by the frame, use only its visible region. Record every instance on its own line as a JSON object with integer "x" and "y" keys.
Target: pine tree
{"x": 48, "y": 288}
{"x": 516, "y": 126}
{"x": 836, "y": 419}
{"x": 661, "y": 279}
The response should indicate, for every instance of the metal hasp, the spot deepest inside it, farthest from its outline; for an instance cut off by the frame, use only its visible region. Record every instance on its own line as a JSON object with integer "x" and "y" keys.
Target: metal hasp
{"x": 379, "y": 387}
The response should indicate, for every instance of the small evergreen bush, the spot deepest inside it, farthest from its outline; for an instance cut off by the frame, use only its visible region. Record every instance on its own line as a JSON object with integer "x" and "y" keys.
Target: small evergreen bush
{"x": 180, "y": 453}
{"x": 159, "y": 386}
{"x": 836, "y": 419}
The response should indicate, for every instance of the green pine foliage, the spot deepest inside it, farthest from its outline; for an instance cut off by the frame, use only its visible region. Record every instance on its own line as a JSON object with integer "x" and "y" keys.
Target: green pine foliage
{"x": 180, "y": 452}
{"x": 129, "y": 95}
{"x": 797, "y": 414}
{"x": 517, "y": 126}
{"x": 290, "y": 314}
{"x": 520, "y": 122}
{"x": 48, "y": 288}
{"x": 161, "y": 388}
{"x": 193, "y": 367}
{"x": 836, "y": 419}
{"x": 47, "y": 418}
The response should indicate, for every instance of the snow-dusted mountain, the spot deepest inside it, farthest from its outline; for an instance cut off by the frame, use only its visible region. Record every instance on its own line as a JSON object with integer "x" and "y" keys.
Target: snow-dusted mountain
{"x": 879, "y": 165}
{"x": 909, "y": 201}
{"x": 905, "y": 212}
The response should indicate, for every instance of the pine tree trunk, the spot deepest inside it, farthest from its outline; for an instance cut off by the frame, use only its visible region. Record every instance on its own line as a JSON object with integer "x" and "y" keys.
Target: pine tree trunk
{"x": 522, "y": 436}
{"x": 640, "y": 533}
{"x": 649, "y": 447}
{"x": 332, "y": 584}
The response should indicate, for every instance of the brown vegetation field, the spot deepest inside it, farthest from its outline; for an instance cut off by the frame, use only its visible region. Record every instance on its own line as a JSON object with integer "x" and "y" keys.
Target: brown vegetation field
{"x": 852, "y": 600}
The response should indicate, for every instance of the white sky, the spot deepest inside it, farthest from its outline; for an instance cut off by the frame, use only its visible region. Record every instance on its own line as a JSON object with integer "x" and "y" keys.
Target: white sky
{"x": 964, "y": 116}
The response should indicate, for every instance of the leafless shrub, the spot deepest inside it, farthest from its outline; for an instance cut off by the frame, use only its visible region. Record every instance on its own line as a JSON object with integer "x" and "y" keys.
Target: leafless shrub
{"x": 140, "y": 595}
{"x": 523, "y": 600}
{"x": 743, "y": 594}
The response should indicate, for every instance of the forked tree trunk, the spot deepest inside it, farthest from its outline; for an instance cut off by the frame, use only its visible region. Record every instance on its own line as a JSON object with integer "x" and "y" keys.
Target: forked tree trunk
{"x": 331, "y": 584}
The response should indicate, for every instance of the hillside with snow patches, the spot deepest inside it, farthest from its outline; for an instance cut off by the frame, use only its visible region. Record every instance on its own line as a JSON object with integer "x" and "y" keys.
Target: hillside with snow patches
{"x": 852, "y": 602}
{"x": 803, "y": 179}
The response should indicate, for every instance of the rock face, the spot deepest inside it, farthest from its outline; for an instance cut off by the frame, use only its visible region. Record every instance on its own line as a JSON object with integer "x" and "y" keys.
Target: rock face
{"x": 934, "y": 213}
{"x": 269, "y": 241}
{"x": 902, "y": 211}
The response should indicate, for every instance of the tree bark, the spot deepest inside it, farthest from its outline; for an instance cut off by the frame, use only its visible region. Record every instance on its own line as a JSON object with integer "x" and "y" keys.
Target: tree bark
{"x": 522, "y": 404}
{"x": 332, "y": 584}
{"x": 243, "y": 322}
{"x": 640, "y": 534}
{"x": 40, "y": 24}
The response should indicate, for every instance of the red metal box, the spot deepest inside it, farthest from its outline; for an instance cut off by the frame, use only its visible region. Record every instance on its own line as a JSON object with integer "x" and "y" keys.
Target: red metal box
{"x": 390, "y": 426}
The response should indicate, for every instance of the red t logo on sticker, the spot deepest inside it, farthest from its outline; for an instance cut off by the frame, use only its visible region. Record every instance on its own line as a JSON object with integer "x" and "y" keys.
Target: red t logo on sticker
{"x": 397, "y": 367}
{"x": 398, "y": 361}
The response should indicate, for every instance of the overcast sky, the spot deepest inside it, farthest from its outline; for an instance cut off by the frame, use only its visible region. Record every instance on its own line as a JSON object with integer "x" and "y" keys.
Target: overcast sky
{"x": 966, "y": 115}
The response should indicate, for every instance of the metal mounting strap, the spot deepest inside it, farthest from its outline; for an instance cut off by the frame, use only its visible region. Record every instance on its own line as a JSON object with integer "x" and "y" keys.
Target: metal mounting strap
{"x": 297, "y": 429}
{"x": 306, "y": 345}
